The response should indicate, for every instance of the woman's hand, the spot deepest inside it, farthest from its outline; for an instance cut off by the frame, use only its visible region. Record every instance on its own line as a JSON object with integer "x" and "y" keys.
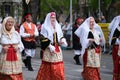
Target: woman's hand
{"x": 5, "y": 48}
{"x": 52, "y": 48}
{"x": 16, "y": 47}
{"x": 63, "y": 42}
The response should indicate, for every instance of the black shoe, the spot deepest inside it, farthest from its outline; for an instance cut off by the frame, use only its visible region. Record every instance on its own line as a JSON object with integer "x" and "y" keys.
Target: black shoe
{"x": 25, "y": 62}
{"x": 78, "y": 63}
{"x": 76, "y": 58}
{"x": 30, "y": 69}
{"x": 29, "y": 64}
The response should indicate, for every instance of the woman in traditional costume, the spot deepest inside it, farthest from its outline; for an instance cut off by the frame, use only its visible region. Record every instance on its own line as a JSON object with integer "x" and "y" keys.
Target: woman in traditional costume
{"x": 91, "y": 36}
{"x": 10, "y": 51}
{"x": 52, "y": 67}
{"x": 114, "y": 40}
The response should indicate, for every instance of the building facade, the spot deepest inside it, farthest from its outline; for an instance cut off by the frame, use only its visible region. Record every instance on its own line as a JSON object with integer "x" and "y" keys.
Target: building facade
{"x": 11, "y": 8}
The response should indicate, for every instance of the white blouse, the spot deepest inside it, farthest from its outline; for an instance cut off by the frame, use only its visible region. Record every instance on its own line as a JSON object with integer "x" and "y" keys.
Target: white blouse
{"x": 15, "y": 39}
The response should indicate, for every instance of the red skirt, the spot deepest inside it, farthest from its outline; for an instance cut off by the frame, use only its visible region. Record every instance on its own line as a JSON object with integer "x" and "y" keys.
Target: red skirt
{"x": 11, "y": 77}
{"x": 90, "y": 73}
{"x": 51, "y": 71}
{"x": 116, "y": 63}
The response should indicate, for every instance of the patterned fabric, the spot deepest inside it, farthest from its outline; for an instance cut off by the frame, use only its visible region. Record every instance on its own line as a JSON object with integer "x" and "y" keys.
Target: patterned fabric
{"x": 52, "y": 67}
{"x": 11, "y": 77}
{"x": 10, "y": 67}
{"x": 93, "y": 58}
{"x": 51, "y": 71}
{"x": 90, "y": 73}
{"x": 52, "y": 57}
{"x": 116, "y": 63}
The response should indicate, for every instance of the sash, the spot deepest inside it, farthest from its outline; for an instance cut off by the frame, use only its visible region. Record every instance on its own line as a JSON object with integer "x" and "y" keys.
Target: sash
{"x": 57, "y": 48}
{"x": 11, "y": 54}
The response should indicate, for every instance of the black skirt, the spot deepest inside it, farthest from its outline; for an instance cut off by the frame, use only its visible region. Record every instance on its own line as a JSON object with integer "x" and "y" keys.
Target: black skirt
{"x": 29, "y": 44}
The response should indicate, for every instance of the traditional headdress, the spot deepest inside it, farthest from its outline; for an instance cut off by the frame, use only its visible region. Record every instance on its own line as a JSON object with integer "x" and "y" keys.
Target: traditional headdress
{"x": 46, "y": 29}
{"x": 52, "y": 14}
{"x": 27, "y": 15}
{"x": 113, "y": 25}
{"x": 78, "y": 20}
{"x": 3, "y": 29}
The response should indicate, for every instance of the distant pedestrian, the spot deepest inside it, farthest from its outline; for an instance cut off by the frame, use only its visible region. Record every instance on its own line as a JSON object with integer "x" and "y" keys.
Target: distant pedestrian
{"x": 102, "y": 19}
{"x": 91, "y": 38}
{"x": 114, "y": 40}
{"x": 52, "y": 67}
{"x": 76, "y": 41}
{"x": 67, "y": 31}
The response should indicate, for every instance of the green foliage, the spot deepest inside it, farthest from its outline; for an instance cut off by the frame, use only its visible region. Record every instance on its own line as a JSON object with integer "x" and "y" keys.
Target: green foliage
{"x": 94, "y": 4}
{"x": 59, "y": 6}
{"x": 107, "y": 3}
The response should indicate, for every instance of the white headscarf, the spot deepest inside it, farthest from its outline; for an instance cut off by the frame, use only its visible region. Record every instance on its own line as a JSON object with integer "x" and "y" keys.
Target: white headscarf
{"x": 113, "y": 22}
{"x": 46, "y": 29}
{"x": 113, "y": 25}
{"x": 3, "y": 28}
{"x": 82, "y": 33}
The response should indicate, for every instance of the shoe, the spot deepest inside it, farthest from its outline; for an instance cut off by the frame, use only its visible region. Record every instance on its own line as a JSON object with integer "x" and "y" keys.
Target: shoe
{"x": 78, "y": 63}
{"x": 29, "y": 64}
{"x": 30, "y": 69}
{"x": 25, "y": 62}
{"x": 76, "y": 58}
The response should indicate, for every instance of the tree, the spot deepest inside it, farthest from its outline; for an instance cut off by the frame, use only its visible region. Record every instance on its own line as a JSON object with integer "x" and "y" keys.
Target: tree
{"x": 104, "y": 6}
{"x": 107, "y": 7}
{"x": 61, "y": 7}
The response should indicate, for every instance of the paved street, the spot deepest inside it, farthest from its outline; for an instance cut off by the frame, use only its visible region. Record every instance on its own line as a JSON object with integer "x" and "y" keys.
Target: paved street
{"x": 72, "y": 71}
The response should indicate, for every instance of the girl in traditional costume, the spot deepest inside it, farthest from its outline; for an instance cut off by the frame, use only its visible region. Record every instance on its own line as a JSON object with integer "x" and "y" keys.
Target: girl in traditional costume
{"x": 91, "y": 38}
{"x": 114, "y": 40}
{"x": 52, "y": 67}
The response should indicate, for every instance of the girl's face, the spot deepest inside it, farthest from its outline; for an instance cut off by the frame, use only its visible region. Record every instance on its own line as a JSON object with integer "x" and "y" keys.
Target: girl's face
{"x": 91, "y": 23}
{"x": 9, "y": 24}
{"x": 52, "y": 19}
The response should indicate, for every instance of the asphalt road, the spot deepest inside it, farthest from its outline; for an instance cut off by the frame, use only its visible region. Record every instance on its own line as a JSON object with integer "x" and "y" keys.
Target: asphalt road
{"x": 72, "y": 71}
